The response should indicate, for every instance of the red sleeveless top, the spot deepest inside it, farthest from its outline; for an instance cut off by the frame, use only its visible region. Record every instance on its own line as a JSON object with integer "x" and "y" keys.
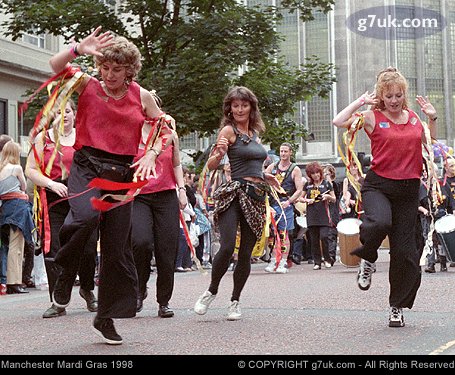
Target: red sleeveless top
{"x": 165, "y": 178}
{"x": 108, "y": 124}
{"x": 396, "y": 148}
{"x": 65, "y": 156}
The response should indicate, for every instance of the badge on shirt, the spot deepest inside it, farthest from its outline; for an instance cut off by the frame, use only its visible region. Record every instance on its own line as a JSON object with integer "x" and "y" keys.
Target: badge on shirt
{"x": 413, "y": 121}
{"x": 384, "y": 125}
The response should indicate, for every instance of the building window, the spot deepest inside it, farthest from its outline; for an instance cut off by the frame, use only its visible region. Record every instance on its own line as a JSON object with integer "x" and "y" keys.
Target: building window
{"x": 36, "y": 40}
{"x": 3, "y": 117}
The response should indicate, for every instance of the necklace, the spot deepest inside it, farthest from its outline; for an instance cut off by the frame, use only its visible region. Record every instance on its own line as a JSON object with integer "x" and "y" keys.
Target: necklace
{"x": 245, "y": 138}
{"x": 67, "y": 135}
{"x": 111, "y": 95}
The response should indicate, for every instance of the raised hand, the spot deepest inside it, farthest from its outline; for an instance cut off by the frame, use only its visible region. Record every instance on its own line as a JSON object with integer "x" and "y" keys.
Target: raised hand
{"x": 426, "y": 106}
{"x": 92, "y": 44}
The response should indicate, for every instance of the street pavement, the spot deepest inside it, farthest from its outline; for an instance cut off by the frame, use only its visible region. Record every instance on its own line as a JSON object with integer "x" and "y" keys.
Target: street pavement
{"x": 305, "y": 312}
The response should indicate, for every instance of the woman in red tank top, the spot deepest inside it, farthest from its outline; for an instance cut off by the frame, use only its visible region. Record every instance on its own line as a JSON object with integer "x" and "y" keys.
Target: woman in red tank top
{"x": 52, "y": 187}
{"x": 391, "y": 188}
{"x": 109, "y": 122}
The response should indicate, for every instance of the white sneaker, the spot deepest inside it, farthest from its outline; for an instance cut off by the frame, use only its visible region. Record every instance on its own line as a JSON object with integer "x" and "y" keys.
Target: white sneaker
{"x": 327, "y": 264}
{"x": 203, "y": 303}
{"x": 282, "y": 267}
{"x": 396, "y": 318}
{"x": 366, "y": 271}
{"x": 271, "y": 266}
{"x": 234, "y": 311}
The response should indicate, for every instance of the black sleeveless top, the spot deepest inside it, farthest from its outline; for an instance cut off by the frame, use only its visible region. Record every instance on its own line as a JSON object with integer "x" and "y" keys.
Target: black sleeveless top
{"x": 246, "y": 156}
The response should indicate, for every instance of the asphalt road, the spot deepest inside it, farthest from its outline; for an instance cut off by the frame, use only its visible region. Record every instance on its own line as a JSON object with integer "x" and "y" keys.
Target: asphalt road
{"x": 303, "y": 313}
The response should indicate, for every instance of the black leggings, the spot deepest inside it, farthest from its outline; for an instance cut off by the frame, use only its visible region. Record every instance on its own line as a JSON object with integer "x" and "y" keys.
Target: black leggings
{"x": 228, "y": 222}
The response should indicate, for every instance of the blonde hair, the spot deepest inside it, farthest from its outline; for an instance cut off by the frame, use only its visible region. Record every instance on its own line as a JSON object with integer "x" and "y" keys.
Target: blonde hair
{"x": 388, "y": 78}
{"x": 122, "y": 52}
{"x": 11, "y": 154}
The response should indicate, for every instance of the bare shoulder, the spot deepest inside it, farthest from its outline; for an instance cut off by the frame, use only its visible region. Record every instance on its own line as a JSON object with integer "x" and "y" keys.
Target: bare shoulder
{"x": 369, "y": 120}
{"x": 227, "y": 132}
{"x": 297, "y": 172}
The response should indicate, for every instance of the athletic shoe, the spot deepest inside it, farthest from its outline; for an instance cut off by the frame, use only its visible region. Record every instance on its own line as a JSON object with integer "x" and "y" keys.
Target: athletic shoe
{"x": 203, "y": 303}
{"x": 365, "y": 273}
{"x": 396, "y": 318}
{"x": 105, "y": 329}
{"x": 271, "y": 266}
{"x": 61, "y": 296}
{"x": 234, "y": 311}
{"x": 282, "y": 267}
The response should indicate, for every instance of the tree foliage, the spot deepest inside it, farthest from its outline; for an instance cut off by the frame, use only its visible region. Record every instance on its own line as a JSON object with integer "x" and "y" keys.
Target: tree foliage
{"x": 192, "y": 51}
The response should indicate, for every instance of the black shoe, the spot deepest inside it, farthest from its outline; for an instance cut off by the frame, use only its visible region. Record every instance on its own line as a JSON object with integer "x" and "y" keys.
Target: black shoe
{"x": 54, "y": 312}
{"x": 92, "y": 303}
{"x": 140, "y": 301}
{"x": 164, "y": 311}
{"x": 105, "y": 329}
{"x": 310, "y": 261}
{"x": 29, "y": 283}
{"x": 430, "y": 268}
{"x": 443, "y": 267}
{"x": 15, "y": 289}
{"x": 296, "y": 260}
{"x": 61, "y": 296}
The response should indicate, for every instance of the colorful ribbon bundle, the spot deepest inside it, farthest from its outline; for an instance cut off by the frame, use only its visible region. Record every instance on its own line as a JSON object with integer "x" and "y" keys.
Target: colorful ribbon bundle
{"x": 349, "y": 156}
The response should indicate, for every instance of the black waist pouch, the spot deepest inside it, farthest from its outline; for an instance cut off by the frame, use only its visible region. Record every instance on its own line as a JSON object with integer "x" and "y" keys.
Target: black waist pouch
{"x": 109, "y": 169}
{"x": 254, "y": 190}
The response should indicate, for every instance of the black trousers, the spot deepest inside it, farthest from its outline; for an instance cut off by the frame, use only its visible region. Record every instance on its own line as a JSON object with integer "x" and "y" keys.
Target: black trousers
{"x": 117, "y": 292}
{"x": 156, "y": 229}
{"x": 228, "y": 222}
{"x": 391, "y": 209}
{"x": 319, "y": 236}
{"x": 57, "y": 214}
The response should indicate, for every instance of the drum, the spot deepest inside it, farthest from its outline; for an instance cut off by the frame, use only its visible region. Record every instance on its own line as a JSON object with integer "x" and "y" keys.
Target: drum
{"x": 349, "y": 239}
{"x": 445, "y": 227}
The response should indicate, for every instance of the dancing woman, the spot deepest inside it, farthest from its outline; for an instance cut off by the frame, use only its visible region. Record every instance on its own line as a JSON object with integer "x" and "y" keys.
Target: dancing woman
{"x": 390, "y": 192}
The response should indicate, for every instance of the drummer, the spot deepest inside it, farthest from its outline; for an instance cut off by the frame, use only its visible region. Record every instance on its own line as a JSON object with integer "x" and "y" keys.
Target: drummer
{"x": 434, "y": 204}
{"x": 317, "y": 194}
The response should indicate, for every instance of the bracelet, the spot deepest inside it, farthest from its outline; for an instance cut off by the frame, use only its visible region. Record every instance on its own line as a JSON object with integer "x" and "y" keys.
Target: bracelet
{"x": 49, "y": 185}
{"x": 73, "y": 51}
{"x": 434, "y": 118}
{"x": 156, "y": 152}
{"x": 182, "y": 188}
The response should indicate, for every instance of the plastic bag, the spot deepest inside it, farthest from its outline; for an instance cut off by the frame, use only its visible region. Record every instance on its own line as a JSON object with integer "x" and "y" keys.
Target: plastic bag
{"x": 194, "y": 234}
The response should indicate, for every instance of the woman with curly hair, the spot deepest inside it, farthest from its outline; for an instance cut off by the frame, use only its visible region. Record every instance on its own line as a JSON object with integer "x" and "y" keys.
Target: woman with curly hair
{"x": 390, "y": 192}
{"x": 109, "y": 122}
